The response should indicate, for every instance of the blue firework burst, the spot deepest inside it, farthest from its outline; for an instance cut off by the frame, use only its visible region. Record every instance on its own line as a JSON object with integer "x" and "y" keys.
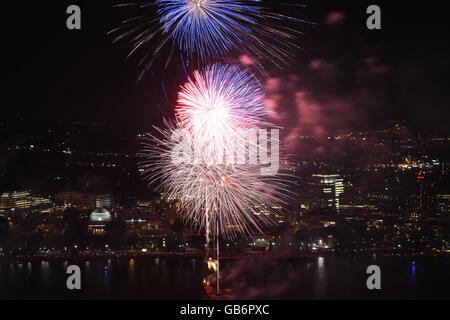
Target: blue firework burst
{"x": 208, "y": 28}
{"x": 206, "y": 31}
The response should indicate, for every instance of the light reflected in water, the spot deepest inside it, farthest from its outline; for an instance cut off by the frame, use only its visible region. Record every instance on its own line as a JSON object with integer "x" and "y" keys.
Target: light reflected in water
{"x": 413, "y": 272}
{"x": 45, "y": 265}
{"x": 321, "y": 279}
{"x": 320, "y": 262}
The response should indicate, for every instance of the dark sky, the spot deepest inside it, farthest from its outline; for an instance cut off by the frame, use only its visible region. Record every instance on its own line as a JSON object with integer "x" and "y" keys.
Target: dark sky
{"x": 353, "y": 76}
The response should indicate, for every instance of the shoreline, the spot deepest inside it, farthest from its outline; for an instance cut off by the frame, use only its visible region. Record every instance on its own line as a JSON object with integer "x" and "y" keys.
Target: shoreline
{"x": 224, "y": 256}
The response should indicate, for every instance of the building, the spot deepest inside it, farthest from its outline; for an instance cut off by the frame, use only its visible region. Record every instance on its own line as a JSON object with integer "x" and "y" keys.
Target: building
{"x": 43, "y": 205}
{"x": 422, "y": 201}
{"x": 82, "y": 200}
{"x": 443, "y": 204}
{"x": 98, "y": 222}
{"x": 104, "y": 201}
{"x": 262, "y": 242}
{"x": 328, "y": 190}
{"x": 17, "y": 200}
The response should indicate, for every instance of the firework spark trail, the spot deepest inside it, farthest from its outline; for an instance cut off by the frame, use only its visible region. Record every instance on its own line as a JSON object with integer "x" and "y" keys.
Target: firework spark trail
{"x": 209, "y": 30}
{"x": 242, "y": 198}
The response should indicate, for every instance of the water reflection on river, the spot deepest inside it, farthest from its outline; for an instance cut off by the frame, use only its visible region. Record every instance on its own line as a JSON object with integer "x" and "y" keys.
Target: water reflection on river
{"x": 251, "y": 278}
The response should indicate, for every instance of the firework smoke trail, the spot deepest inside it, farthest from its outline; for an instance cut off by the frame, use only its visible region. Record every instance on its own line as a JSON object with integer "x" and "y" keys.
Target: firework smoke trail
{"x": 209, "y": 30}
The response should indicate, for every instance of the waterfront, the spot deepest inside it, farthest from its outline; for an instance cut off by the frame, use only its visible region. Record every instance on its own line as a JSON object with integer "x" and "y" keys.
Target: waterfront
{"x": 251, "y": 278}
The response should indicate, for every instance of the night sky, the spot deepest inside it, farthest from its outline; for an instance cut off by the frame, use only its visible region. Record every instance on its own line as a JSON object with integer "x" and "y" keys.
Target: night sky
{"x": 347, "y": 76}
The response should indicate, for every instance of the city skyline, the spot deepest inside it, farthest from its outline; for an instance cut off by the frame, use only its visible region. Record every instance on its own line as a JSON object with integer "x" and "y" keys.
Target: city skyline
{"x": 413, "y": 186}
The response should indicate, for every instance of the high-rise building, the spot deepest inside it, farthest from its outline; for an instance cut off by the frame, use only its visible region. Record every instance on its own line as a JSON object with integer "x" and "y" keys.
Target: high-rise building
{"x": 329, "y": 190}
{"x": 423, "y": 198}
{"x": 443, "y": 204}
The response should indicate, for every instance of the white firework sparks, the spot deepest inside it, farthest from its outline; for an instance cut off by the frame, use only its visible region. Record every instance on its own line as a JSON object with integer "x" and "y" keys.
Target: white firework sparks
{"x": 215, "y": 110}
{"x": 238, "y": 197}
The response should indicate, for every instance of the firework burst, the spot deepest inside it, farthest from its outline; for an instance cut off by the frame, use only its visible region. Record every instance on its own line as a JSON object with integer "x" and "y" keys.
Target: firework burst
{"x": 207, "y": 27}
{"x": 216, "y": 110}
{"x": 209, "y": 30}
{"x": 218, "y": 104}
